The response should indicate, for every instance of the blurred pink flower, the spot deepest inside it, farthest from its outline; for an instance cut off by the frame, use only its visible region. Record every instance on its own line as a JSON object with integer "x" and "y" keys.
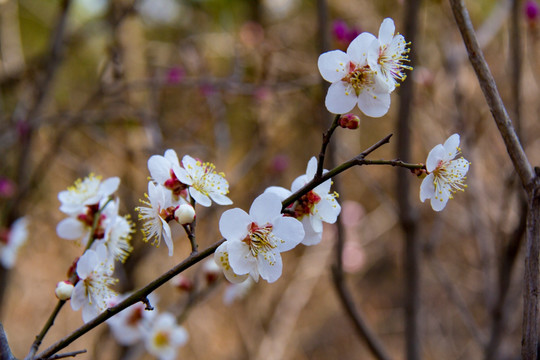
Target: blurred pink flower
{"x": 7, "y": 188}
{"x": 531, "y": 10}
{"x": 175, "y": 75}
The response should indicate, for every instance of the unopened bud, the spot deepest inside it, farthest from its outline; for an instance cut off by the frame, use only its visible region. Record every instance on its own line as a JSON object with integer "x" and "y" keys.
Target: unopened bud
{"x": 64, "y": 289}
{"x": 532, "y": 11}
{"x": 184, "y": 214}
{"x": 211, "y": 271}
{"x": 182, "y": 283}
{"x": 349, "y": 121}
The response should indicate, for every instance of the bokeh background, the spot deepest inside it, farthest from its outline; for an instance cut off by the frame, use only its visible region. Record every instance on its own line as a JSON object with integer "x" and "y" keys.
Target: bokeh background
{"x": 236, "y": 83}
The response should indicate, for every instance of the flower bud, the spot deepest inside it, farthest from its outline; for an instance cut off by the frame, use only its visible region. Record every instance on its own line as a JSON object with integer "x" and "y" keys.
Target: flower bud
{"x": 184, "y": 214}
{"x": 211, "y": 271}
{"x": 349, "y": 121}
{"x": 63, "y": 290}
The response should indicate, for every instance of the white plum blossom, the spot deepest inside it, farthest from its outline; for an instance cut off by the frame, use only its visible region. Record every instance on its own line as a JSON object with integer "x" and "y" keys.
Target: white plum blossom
{"x": 92, "y": 290}
{"x": 313, "y": 208}
{"x": 11, "y": 242}
{"x": 203, "y": 181}
{"x": 129, "y": 326}
{"x": 354, "y": 82}
{"x": 89, "y": 191}
{"x": 255, "y": 240}
{"x": 221, "y": 257}
{"x": 79, "y": 226}
{"x": 162, "y": 170}
{"x": 445, "y": 175}
{"x": 117, "y": 238}
{"x": 165, "y": 337}
{"x": 365, "y": 74}
{"x": 391, "y": 55}
{"x": 159, "y": 210}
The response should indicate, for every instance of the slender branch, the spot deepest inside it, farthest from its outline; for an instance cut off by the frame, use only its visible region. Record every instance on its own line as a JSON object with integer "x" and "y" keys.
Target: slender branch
{"x": 337, "y": 170}
{"x": 46, "y": 327}
{"x": 326, "y": 140}
{"x": 528, "y": 177}
{"x": 134, "y": 298}
{"x": 68, "y": 354}
{"x": 493, "y": 99}
{"x": 356, "y": 315}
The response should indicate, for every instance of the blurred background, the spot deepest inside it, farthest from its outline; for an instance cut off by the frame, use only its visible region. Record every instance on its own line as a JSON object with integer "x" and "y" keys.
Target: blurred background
{"x": 98, "y": 86}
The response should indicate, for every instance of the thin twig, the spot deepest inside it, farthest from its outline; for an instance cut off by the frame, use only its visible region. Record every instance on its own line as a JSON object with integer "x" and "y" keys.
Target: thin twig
{"x": 43, "y": 332}
{"x": 68, "y": 354}
{"x": 326, "y": 140}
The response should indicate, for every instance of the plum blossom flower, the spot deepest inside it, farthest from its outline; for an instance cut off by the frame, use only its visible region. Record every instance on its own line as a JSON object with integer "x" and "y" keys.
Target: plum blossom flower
{"x": 159, "y": 210}
{"x": 313, "y": 208}
{"x": 11, "y": 241}
{"x": 254, "y": 241}
{"x": 204, "y": 182}
{"x": 445, "y": 175}
{"x": 164, "y": 337}
{"x": 354, "y": 82}
{"x": 92, "y": 290}
{"x": 89, "y": 191}
{"x": 392, "y": 52}
{"x": 162, "y": 170}
{"x": 79, "y": 226}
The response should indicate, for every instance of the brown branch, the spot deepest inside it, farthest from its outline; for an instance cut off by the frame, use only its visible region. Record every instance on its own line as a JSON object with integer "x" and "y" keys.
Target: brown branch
{"x": 528, "y": 177}
{"x": 491, "y": 94}
{"x": 134, "y": 298}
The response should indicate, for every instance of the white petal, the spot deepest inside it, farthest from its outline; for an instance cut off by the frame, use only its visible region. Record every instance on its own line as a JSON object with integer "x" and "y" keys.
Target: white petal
{"x": 316, "y": 223}
{"x": 358, "y": 48}
{"x": 311, "y": 237}
{"x": 458, "y": 167}
{"x": 179, "y": 336}
{"x": 109, "y": 186}
{"x": 299, "y": 183}
{"x": 434, "y": 157}
{"x": 220, "y": 199}
{"x": 89, "y": 312}
{"x": 451, "y": 146}
{"x": 199, "y": 197}
{"x": 182, "y": 175}
{"x": 221, "y": 257}
{"x": 386, "y": 31}
{"x": 234, "y": 224}
{"x": 328, "y": 209}
{"x": 270, "y": 266}
{"x": 171, "y": 156}
{"x": 427, "y": 188}
{"x": 374, "y": 104}
{"x": 438, "y": 203}
{"x": 281, "y": 192}
{"x": 70, "y": 229}
{"x": 78, "y": 297}
{"x": 311, "y": 169}
{"x": 341, "y": 98}
{"x": 167, "y": 236}
{"x": 240, "y": 258}
{"x": 333, "y": 65}
{"x": 290, "y": 232}
{"x": 87, "y": 263}
{"x": 160, "y": 168}
{"x": 265, "y": 208}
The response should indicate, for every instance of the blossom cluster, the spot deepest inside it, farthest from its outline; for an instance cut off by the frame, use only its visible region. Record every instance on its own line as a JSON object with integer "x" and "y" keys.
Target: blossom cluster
{"x": 173, "y": 191}
{"x": 367, "y": 73}
{"x": 158, "y": 331}
{"x": 255, "y": 241}
{"x": 93, "y": 221}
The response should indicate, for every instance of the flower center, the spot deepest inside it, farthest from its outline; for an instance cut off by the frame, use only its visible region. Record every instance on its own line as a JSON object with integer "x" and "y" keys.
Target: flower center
{"x": 359, "y": 77}
{"x": 88, "y": 220}
{"x": 259, "y": 239}
{"x": 173, "y": 184}
{"x": 453, "y": 180}
{"x": 306, "y": 205}
{"x": 161, "y": 339}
